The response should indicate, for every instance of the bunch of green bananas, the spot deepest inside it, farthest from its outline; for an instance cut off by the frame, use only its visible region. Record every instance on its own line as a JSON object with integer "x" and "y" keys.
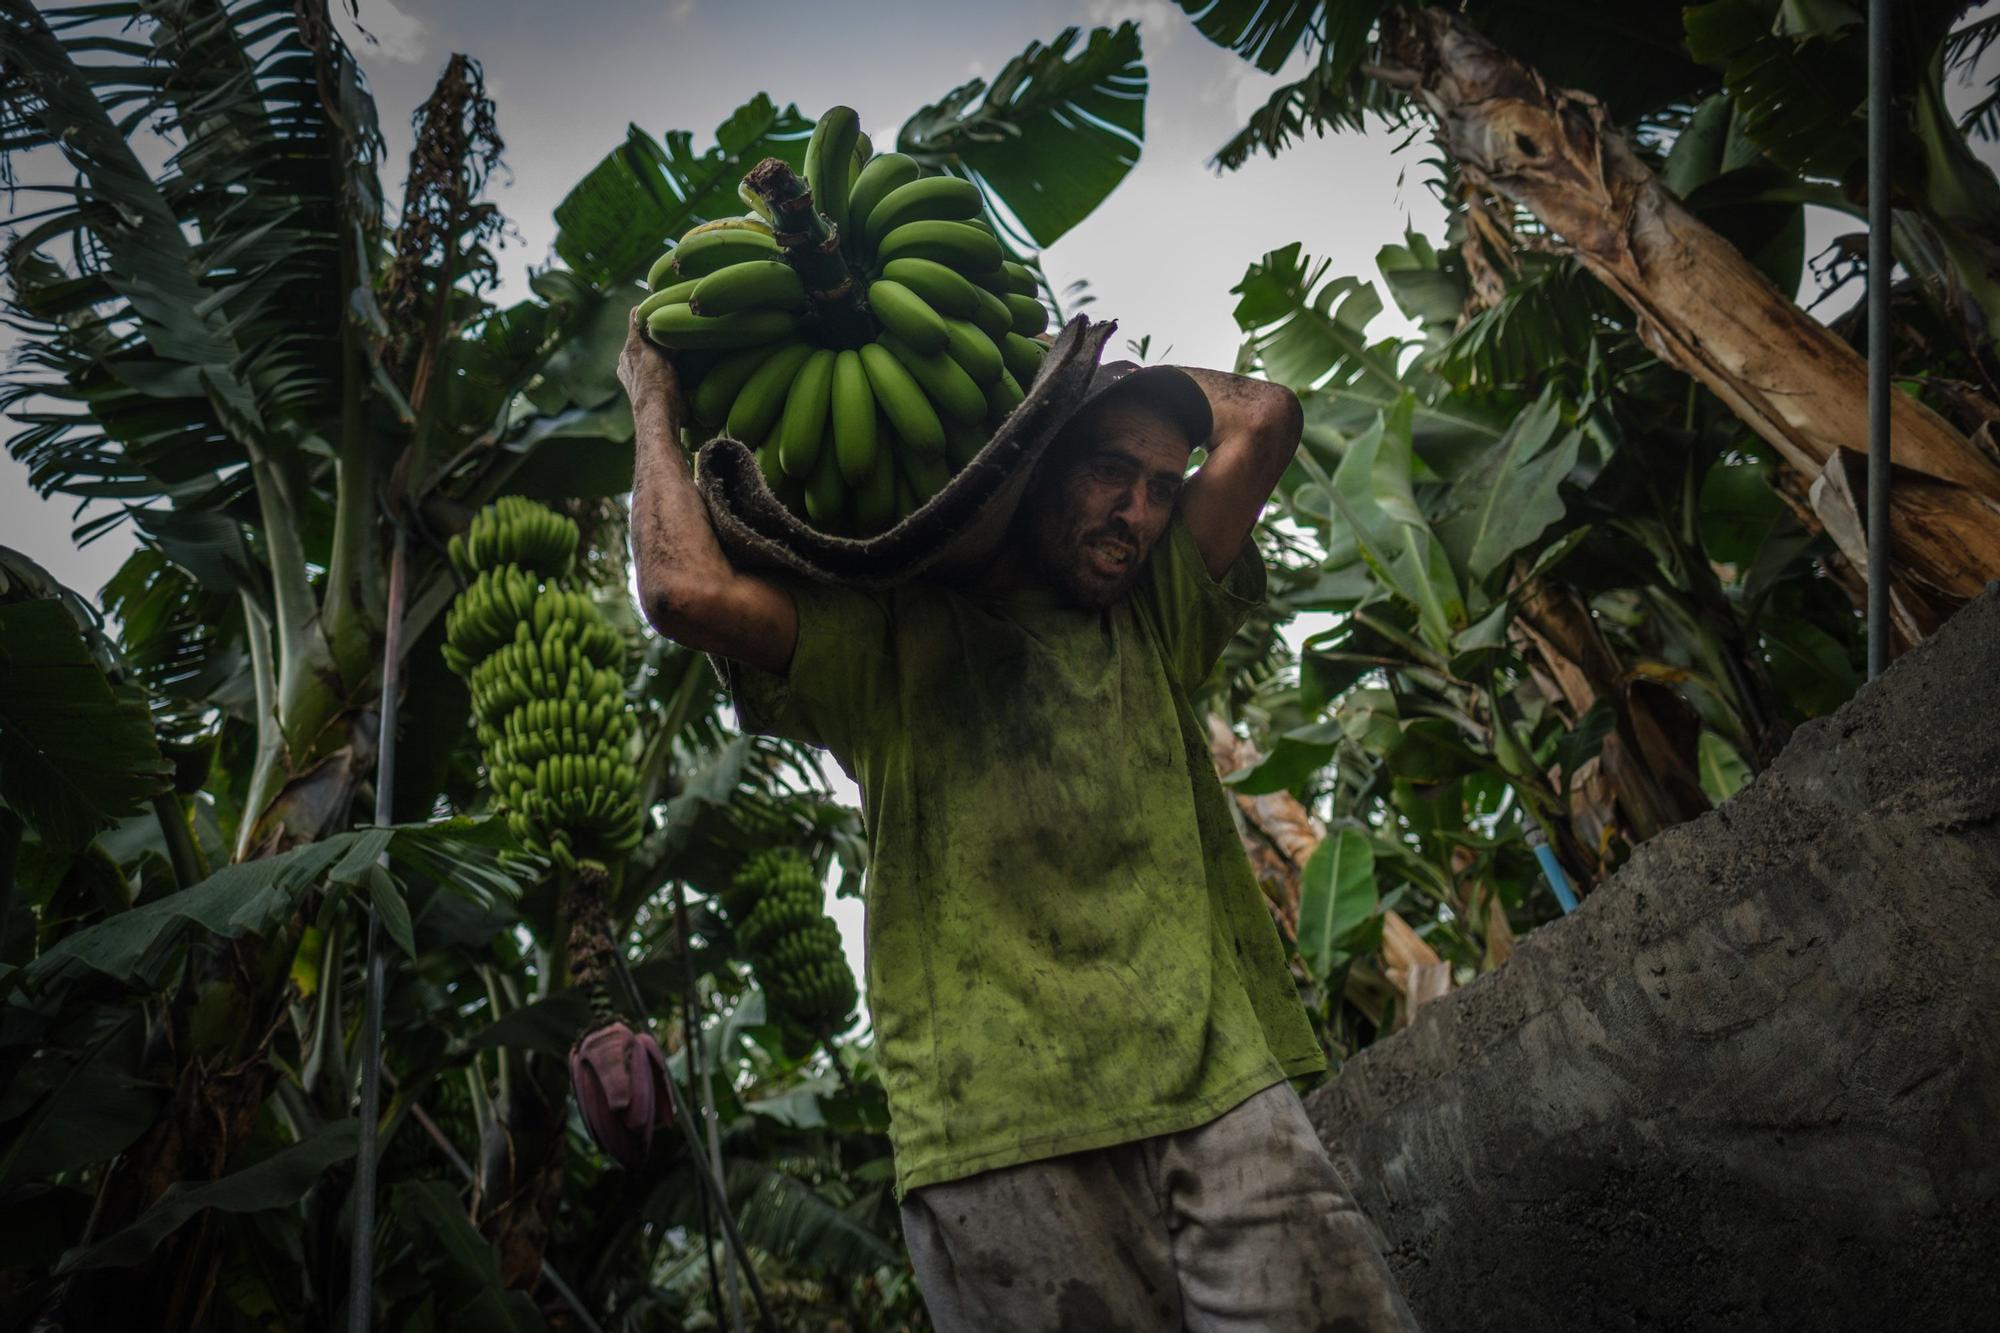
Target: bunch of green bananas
{"x": 794, "y": 947}
{"x": 543, "y": 667}
{"x": 514, "y": 530}
{"x": 855, "y": 438}
{"x": 757, "y": 875}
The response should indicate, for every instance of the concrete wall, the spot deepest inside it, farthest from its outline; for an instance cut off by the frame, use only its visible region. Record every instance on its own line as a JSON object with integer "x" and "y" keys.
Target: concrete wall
{"x": 1754, "y": 1081}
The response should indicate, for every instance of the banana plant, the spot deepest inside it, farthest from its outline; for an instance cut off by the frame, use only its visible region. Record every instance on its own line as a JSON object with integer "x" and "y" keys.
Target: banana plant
{"x": 1563, "y": 596}
{"x": 241, "y": 353}
{"x": 1742, "y": 112}
{"x": 111, "y": 891}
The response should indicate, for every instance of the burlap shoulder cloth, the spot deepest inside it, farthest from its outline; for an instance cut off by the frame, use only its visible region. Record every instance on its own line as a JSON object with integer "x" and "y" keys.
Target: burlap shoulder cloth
{"x": 951, "y": 534}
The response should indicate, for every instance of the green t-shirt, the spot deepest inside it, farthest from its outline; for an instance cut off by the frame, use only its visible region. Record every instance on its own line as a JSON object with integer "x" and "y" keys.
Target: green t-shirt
{"x": 1066, "y": 948}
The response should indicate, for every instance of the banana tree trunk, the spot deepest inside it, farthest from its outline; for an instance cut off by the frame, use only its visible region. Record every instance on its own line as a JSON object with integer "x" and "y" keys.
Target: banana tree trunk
{"x": 1645, "y": 778}
{"x": 1702, "y": 307}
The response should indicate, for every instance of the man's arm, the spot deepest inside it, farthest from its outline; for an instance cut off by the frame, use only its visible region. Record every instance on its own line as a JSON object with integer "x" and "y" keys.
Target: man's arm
{"x": 1257, "y": 429}
{"x": 687, "y": 587}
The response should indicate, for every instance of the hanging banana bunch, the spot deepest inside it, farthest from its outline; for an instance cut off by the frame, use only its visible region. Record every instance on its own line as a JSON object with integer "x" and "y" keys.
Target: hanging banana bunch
{"x": 855, "y": 422}
{"x": 548, "y": 692}
{"x": 794, "y": 947}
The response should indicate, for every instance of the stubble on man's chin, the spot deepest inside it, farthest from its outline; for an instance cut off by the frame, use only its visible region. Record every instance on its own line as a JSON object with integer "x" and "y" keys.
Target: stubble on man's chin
{"x": 1064, "y": 568}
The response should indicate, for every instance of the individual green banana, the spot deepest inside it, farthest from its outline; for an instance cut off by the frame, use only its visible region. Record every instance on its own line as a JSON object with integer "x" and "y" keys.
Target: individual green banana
{"x": 754, "y": 202}
{"x": 1003, "y": 396}
{"x": 762, "y": 397}
{"x": 961, "y": 442}
{"x": 803, "y": 424}
{"x": 697, "y": 256}
{"x": 992, "y": 316}
{"x": 792, "y": 494}
{"x": 906, "y": 498}
{"x": 855, "y": 440}
{"x": 994, "y": 280}
{"x": 928, "y": 474}
{"x": 932, "y": 199}
{"x": 829, "y": 160}
{"x": 907, "y": 315}
{"x": 875, "y": 493}
{"x": 943, "y": 380}
{"x": 748, "y": 222}
{"x": 826, "y": 491}
{"x": 768, "y": 464}
{"x": 720, "y": 387}
{"x": 967, "y": 249}
{"x": 1023, "y": 356}
{"x": 661, "y": 270}
{"x": 1020, "y": 278}
{"x": 679, "y": 292}
{"x": 947, "y": 291}
{"x": 1030, "y": 315}
{"x": 881, "y": 174}
{"x": 864, "y": 147}
{"x": 677, "y": 326}
{"x": 754, "y": 284}
{"x": 978, "y": 354}
{"x": 903, "y": 399}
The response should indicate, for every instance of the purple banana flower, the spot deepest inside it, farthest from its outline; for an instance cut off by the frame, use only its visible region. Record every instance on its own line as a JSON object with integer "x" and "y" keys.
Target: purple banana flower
{"x": 620, "y": 1078}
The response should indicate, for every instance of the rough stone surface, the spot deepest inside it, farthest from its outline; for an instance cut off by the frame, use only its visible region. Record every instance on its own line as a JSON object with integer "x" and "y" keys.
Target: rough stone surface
{"x": 1753, "y": 1081}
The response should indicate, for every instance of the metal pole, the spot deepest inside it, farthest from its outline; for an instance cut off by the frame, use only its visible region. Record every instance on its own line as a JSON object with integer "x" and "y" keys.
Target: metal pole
{"x": 361, "y": 1273}
{"x": 709, "y": 1117}
{"x": 685, "y": 1116}
{"x": 1880, "y": 263}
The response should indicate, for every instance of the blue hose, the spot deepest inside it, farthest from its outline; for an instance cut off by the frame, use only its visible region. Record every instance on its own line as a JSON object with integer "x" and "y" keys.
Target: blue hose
{"x": 1552, "y": 870}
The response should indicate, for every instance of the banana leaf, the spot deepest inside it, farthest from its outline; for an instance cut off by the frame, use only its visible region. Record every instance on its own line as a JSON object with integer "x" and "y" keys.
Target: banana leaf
{"x": 75, "y": 754}
{"x": 1049, "y": 139}
{"x": 1337, "y": 897}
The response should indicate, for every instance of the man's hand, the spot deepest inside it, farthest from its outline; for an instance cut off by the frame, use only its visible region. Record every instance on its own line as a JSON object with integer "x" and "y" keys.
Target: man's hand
{"x": 644, "y": 368}
{"x": 1257, "y": 429}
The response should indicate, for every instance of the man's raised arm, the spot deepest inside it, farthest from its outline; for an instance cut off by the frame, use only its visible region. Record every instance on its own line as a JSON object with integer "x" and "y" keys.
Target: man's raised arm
{"x": 1257, "y": 430}
{"x": 687, "y": 587}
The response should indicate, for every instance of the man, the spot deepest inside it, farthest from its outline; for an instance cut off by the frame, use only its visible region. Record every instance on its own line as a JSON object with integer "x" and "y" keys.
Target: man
{"x": 1082, "y": 1015}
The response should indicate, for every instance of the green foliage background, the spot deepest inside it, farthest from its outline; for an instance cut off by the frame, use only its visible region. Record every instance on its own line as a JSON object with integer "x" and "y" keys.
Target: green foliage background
{"x": 248, "y": 358}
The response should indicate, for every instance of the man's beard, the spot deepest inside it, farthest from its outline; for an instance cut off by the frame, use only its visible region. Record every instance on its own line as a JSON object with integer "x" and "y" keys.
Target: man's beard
{"x": 1061, "y": 555}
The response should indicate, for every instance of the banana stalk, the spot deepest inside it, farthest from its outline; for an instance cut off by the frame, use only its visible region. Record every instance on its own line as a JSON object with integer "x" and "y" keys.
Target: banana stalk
{"x": 811, "y": 244}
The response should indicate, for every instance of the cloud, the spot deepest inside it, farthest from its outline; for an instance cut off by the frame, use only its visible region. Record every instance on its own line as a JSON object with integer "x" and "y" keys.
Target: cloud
{"x": 1160, "y": 22}
{"x": 384, "y": 30}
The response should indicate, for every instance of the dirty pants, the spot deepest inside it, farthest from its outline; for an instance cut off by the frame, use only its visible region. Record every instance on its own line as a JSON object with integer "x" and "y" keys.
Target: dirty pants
{"x": 1239, "y": 1224}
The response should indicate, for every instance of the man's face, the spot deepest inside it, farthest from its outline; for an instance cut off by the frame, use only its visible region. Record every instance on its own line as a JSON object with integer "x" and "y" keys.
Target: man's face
{"x": 1096, "y": 516}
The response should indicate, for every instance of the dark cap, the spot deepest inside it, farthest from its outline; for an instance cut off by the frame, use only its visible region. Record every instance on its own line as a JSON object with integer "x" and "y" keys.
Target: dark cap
{"x": 1168, "y": 390}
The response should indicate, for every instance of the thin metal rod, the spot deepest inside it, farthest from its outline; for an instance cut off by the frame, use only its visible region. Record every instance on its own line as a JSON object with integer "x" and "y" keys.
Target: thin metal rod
{"x": 714, "y": 1187}
{"x": 709, "y": 1119}
{"x": 691, "y": 1043}
{"x": 1880, "y": 352}
{"x": 361, "y": 1273}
